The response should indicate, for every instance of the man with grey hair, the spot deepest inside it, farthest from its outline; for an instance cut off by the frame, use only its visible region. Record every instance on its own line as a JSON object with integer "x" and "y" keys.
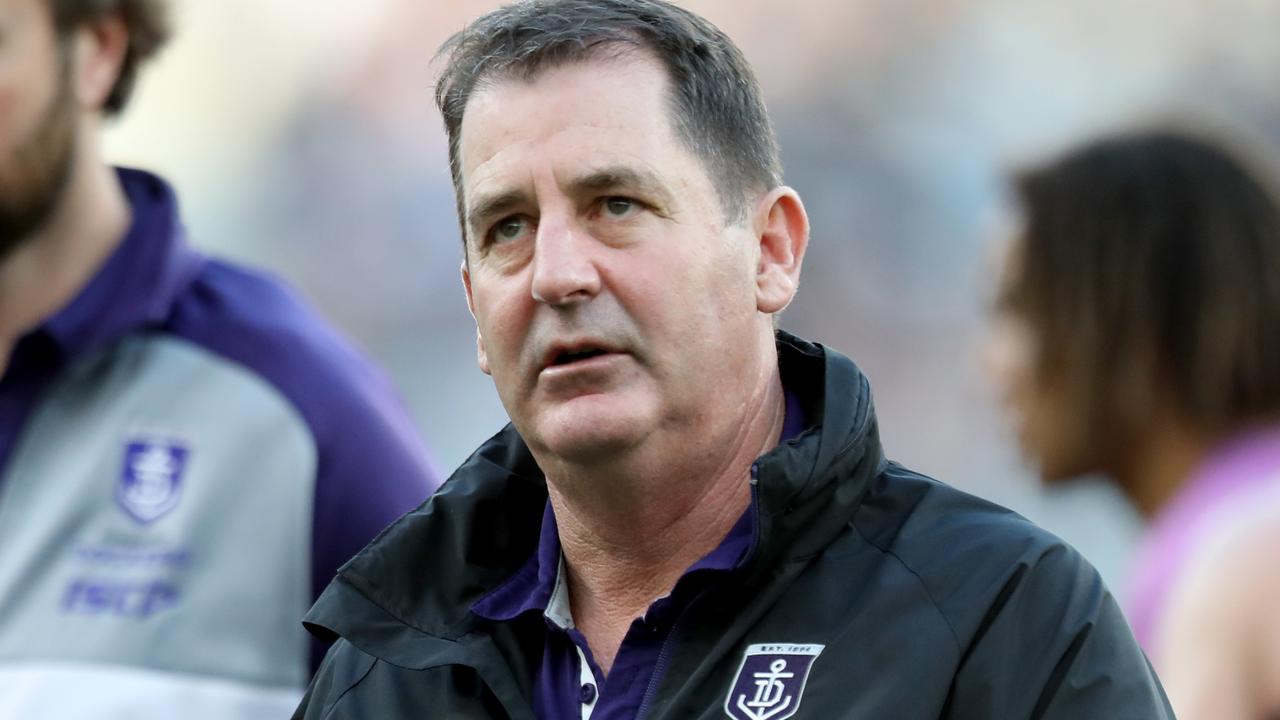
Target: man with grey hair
{"x": 187, "y": 453}
{"x": 690, "y": 514}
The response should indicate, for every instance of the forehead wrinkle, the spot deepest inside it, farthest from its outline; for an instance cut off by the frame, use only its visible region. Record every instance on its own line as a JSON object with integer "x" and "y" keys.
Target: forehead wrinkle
{"x": 616, "y": 176}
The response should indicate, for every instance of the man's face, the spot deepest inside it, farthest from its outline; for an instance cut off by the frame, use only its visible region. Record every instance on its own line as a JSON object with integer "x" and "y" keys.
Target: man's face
{"x": 37, "y": 120}
{"x": 614, "y": 304}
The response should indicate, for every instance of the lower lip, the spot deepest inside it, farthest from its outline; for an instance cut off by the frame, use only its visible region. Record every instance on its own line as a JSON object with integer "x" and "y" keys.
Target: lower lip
{"x": 595, "y": 363}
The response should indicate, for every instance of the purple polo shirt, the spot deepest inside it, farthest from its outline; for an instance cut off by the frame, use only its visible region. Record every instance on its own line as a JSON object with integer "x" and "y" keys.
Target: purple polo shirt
{"x": 371, "y": 465}
{"x": 565, "y": 687}
{"x": 1237, "y": 476}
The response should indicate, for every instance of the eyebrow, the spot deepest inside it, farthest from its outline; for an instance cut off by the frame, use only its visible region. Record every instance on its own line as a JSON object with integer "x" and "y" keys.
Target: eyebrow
{"x": 496, "y": 205}
{"x": 620, "y": 177}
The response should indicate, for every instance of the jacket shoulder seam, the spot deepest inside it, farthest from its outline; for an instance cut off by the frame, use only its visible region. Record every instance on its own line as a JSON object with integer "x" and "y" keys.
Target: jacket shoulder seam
{"x": 924, "y": 586}
{"x": 342, "y": 696}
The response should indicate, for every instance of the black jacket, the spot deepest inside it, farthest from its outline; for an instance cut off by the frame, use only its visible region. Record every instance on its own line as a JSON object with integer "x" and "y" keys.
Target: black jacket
{"x": 929, "y": 603}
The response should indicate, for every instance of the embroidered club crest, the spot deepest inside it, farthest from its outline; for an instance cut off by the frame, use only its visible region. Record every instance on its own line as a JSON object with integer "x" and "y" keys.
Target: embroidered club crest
{"x": 151, "y": 480}
{"x": 770, "y": 682}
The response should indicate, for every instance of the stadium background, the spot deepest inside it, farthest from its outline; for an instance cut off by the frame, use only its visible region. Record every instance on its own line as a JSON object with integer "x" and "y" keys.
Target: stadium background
{"x": 302, "y": 137}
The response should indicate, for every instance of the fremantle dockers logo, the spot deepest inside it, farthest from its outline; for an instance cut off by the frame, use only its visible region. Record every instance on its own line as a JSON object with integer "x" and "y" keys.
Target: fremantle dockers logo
{"x": 770, "y": 681}
{"x": 151, "y": 480}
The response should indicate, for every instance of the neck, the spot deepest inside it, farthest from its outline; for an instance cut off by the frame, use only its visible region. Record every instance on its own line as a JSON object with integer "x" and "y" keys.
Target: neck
{"x": 1160, "y": 463}
{"x": 49, "y": 268}
{"x": 625, "y": 551}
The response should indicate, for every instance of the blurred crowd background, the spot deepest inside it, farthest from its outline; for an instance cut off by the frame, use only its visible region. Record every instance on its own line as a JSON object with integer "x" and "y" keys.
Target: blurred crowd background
{"x": 302, "y": 137}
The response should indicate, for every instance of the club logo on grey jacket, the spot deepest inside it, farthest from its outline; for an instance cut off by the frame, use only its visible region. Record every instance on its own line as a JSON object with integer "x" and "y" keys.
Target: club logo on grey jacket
{"x": 151, "y": 481}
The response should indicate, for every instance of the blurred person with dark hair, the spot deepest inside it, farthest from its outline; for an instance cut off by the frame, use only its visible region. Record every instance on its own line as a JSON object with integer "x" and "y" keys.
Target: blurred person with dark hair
{"x": 1139, "y": 337}
{"x": 187, "y": 453}
{"x": 690, "y": 514}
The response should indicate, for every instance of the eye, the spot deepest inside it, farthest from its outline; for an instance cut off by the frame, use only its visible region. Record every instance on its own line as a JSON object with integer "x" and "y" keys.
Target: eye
{"x": 619, "y": 206}
{"x": 509, "y": 229}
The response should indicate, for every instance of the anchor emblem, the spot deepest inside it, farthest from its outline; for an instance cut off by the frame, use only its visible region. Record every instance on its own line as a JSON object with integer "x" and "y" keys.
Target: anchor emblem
{"x": 770, "y": 681}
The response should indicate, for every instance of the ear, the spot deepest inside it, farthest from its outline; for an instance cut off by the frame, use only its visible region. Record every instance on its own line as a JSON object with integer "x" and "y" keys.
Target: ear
{"x": 783, "y": 230}
{"x": 98, "y": 53}
{"x": 482, "y": 358}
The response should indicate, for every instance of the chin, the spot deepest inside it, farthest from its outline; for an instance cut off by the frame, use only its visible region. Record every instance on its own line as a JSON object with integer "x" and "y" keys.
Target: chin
{"x": 1059, "y": 468}
{"x": 591, "y": 437}
{"x": 1051, "y": 477}
{"x": 1054, "y": 462}
{"x": 597, "y": 450}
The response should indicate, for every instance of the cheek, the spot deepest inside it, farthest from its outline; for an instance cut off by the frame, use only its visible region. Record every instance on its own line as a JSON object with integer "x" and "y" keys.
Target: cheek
{"x": 1048, "y": 438}
{"x": 1007, "y": 357}
{"x": 499, "y": 318}
{"x": 721, "y": 280}
{"x": 29, "y": 84}
{"x": 10, "y": 110}
{"x": 1038, "y": 416}
{"x": 496, "y": 330}
{"x": 1008, "y": 362}
{"x": 713, "y": 309}
{"x": 720, "y": 324}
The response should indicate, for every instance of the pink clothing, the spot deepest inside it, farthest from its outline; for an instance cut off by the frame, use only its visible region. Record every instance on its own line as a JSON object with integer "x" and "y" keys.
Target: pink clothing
{"x": 1243, "y": 468}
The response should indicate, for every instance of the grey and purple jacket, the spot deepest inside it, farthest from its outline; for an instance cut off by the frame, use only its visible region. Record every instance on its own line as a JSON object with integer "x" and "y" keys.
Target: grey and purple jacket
{"x": 187, "y": 454}
{"x": 868, "y": 591}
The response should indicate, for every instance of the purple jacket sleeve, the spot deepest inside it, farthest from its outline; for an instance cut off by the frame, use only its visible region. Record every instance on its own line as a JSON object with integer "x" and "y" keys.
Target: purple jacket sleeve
{"x": 372, "y": 466}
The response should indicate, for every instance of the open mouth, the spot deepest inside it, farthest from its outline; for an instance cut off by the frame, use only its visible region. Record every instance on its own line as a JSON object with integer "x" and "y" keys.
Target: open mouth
{"x": 572, "y": 356}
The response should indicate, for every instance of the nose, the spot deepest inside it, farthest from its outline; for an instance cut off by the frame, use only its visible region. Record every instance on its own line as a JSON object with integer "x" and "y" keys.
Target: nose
{"x": 564, "y": 265}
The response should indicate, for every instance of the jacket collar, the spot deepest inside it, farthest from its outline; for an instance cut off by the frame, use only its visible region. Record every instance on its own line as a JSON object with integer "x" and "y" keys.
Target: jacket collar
{"x": 407, "y": 597}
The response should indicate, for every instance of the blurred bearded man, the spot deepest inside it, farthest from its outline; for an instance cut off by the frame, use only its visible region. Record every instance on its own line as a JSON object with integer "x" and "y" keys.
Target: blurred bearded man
{"x": 690, "y": 514}
{"x": 187, "y": 453}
